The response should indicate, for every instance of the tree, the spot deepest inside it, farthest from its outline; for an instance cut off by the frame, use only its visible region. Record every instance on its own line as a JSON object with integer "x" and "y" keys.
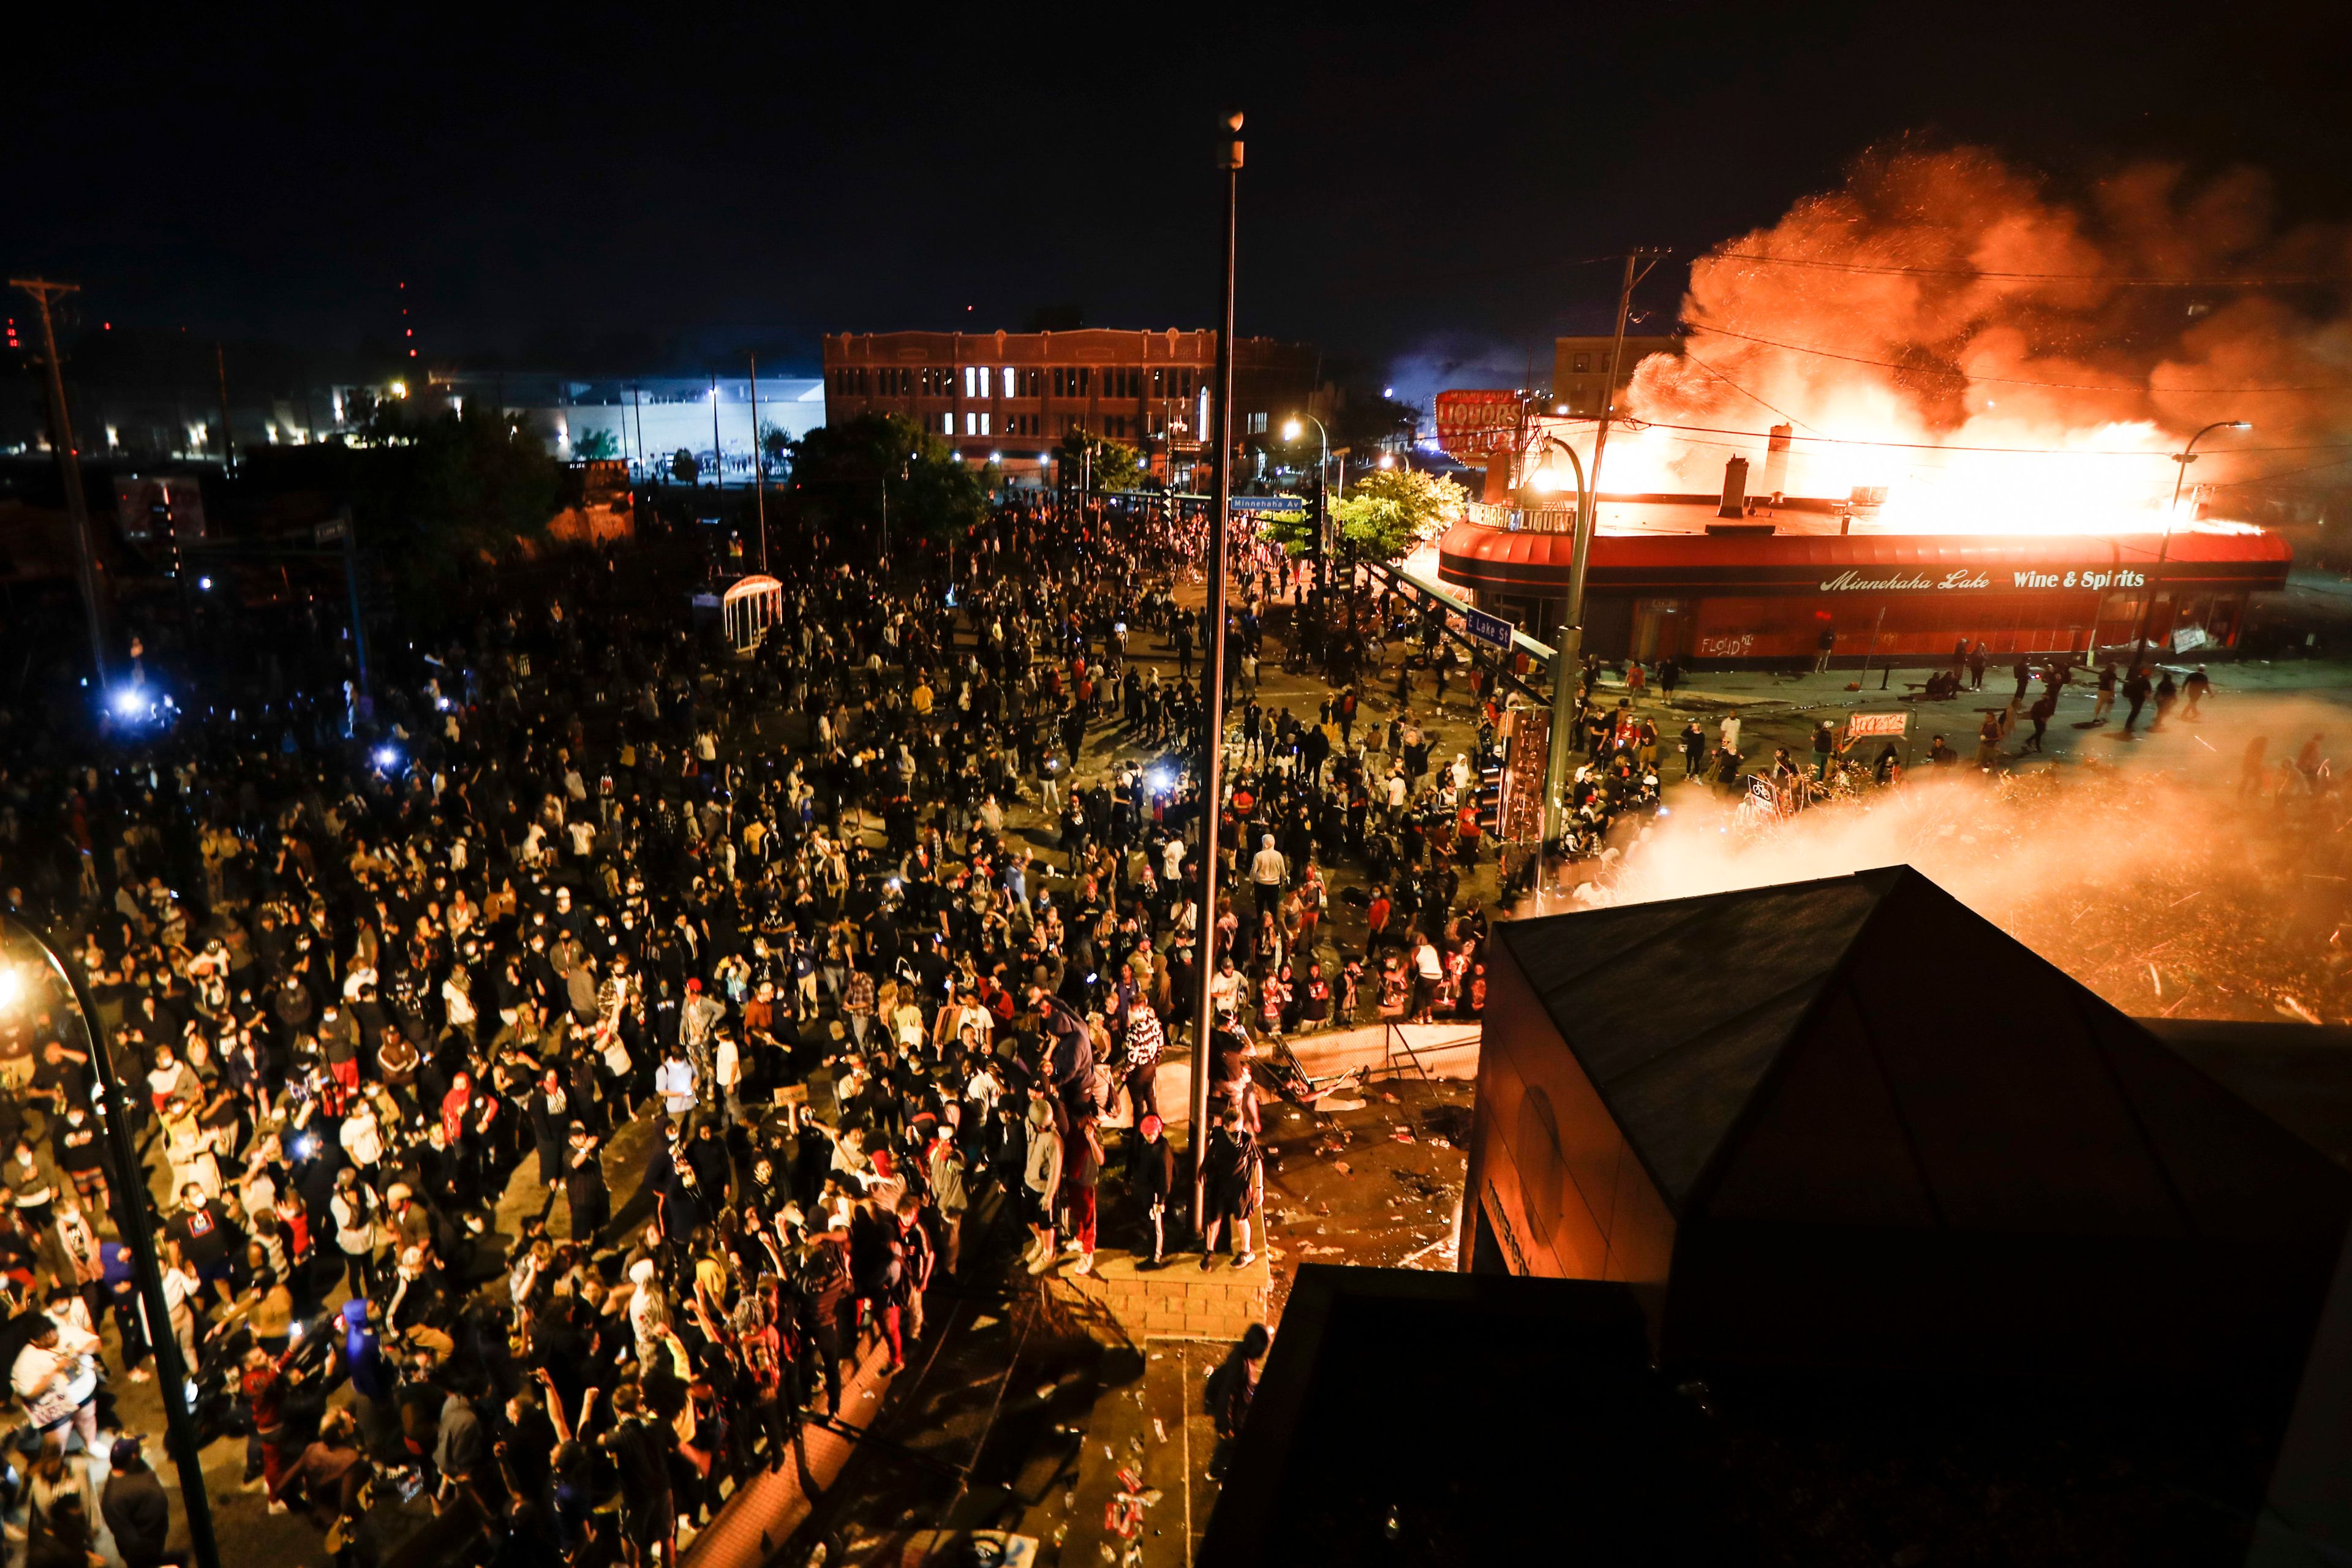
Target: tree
{"x": 1116, "y": 466}
{"x": 435, "y": 493}
{"x": 1391, "y": 511}
{"x": 842, "y": 472}
{"x": 1294, "y": 530}
{"x": 685, "y": 468}
{"x": 594, "y": 444}
{"x": 775, "y": 445}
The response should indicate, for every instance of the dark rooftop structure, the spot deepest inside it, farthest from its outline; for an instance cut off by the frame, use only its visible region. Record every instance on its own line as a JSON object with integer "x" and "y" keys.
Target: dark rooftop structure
{"x": 1852, "y": 1124}
{"x": 1410, "y": 1418}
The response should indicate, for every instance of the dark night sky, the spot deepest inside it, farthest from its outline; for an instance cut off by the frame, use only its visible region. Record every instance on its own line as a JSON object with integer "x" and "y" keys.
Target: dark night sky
{"x": 1416, "y": 175}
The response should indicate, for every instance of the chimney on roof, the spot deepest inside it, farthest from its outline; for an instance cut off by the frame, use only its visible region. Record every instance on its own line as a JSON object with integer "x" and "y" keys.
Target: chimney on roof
{"x": 1776, "y": 461}
{"x": 1735, "y": 488}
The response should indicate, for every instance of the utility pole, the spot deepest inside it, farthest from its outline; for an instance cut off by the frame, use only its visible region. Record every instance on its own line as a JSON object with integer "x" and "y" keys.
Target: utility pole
{"x": 637, "y": 413}
{"x": 1213, "y": 768}
{"x": 61, "y": 437}
{"x": 228, "y": 447}
{"x": 1567, "y": 664}
{"x": 717, "y": 472}
{"x": 759, "y": 464}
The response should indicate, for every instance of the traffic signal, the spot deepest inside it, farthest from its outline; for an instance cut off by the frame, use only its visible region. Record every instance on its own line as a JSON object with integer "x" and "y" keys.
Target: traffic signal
{"x": 1490, "y": 801}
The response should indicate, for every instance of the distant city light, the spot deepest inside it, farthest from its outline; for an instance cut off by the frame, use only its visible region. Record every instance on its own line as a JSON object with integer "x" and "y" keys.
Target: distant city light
{"x": 206, "y": 583}
{"x": 400, "y": 389}
{"x": 388, "y": 756}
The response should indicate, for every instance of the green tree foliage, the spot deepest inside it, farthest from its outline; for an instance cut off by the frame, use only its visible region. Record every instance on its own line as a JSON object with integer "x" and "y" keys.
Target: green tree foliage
{"x": 595, "y": 445}
{"x": 685, "y": 466}
{"x": 775, "y": 445}
{"x": 1391, "y": 511}
{"x": 1116, "y": 464}
{"x": 841, "y": 472}
{"x": 1294, "y": 530}
{"x": 434, "y": 493}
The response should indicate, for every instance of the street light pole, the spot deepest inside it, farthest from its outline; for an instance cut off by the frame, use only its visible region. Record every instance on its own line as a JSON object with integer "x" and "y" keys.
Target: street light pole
{"x": 138, "y": 1231}
{"x": 2186, "y": 455}
{"x": 758, "y": 463}
{"x": 1213, "y": 768}
{"x": 1564, "y": 671}
{"x": 1322, "y": 514}
{"x": 1567, "y": 662}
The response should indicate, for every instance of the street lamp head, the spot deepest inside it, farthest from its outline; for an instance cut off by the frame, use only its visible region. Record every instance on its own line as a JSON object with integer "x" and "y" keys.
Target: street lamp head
{"x": 1388, "y": 459}
{"x": 12, "y": 986}
{"x": 1292, "y": 430}
{"x": 1233, "y": 122}
{"x": 2238, "y": 425}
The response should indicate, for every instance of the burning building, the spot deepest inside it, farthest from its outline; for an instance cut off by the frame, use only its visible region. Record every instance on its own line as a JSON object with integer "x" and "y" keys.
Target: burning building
{"x": 1939, "y": 403}
{"x": 1671, "y": 577}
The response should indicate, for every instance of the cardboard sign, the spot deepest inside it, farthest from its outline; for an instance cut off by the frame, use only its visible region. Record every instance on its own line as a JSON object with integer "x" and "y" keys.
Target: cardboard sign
{"x": 1862, "y": 725}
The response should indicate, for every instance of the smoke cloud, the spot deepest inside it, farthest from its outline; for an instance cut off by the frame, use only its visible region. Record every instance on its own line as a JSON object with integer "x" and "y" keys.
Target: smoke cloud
{"x": 2158, "y": 884}
{"x": 1949, "y": 299}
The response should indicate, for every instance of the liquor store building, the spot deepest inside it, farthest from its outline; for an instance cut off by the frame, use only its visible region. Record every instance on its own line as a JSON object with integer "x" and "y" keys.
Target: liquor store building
{"x": 1763, "y": 593}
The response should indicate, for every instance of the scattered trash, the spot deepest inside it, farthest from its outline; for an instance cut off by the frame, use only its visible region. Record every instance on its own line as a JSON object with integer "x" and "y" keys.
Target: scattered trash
{"x": 1403, "y": 1135}
{"x": 1384, "y": 1093}
{"x": 1341, "y": 1166}
{"x": 1045, "y": 1391}
{"x": 1331, "y": 1104}
{"x": 986, "y": 1321}
{"x": 1159, "y": 1426}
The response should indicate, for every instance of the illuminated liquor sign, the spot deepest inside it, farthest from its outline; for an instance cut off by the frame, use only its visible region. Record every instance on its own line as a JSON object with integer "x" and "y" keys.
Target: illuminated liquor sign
{"x": 1967, "y": 578}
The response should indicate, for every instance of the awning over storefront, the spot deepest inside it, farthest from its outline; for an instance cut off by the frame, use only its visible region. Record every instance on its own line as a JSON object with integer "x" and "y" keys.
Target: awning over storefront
{"x": 1525, "y": 562}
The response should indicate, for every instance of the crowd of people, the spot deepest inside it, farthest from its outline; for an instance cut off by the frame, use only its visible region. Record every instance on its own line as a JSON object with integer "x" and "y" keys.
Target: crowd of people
{"x": 552, "y": 1074}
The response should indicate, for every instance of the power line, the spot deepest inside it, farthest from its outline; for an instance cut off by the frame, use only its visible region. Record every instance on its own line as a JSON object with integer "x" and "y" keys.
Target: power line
{"x": 1944, "y": 447}
{"x": 1744, "y": 391}
{"x": 2286, "y": 280}
{"x": 1999, "y": 380}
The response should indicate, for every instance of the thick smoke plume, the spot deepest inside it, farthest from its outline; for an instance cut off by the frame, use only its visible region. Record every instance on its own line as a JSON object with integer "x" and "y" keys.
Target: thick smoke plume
{"x": 1949, "y": 300}
{"x": 2168, "y": 886}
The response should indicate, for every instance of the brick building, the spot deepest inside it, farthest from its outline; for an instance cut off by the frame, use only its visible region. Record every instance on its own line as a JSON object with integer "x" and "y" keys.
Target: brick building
{"x": 1012, "y": 396}
{"x": 1579, "y": 367}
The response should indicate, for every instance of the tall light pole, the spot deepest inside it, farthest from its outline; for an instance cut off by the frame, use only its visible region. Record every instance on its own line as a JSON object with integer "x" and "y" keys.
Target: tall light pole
{"x": 69, "y": 470}
{"x": 1291, "y": 431}
{"x": 2186, "y": 455}
{"x": 1564, "y": 671}
{"x": 717, "y": 472}
{"x": 758, "y": 463}
{"x": 1212, "y": 766}
{"x": 1567, "y": 664}
{"x": 135, "y": 1226}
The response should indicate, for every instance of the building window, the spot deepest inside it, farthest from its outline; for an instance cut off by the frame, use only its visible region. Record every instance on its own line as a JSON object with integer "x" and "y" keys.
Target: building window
{"x": 947, "y": 424}
{"x": 1257, "y": 425}
{"x": 1584, "y": 364}
{"x": 983, "y": 424}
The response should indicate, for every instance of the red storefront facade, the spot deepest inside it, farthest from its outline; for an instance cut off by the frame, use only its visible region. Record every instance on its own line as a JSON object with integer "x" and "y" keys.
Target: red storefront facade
{"x": 1763, "y": 598}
